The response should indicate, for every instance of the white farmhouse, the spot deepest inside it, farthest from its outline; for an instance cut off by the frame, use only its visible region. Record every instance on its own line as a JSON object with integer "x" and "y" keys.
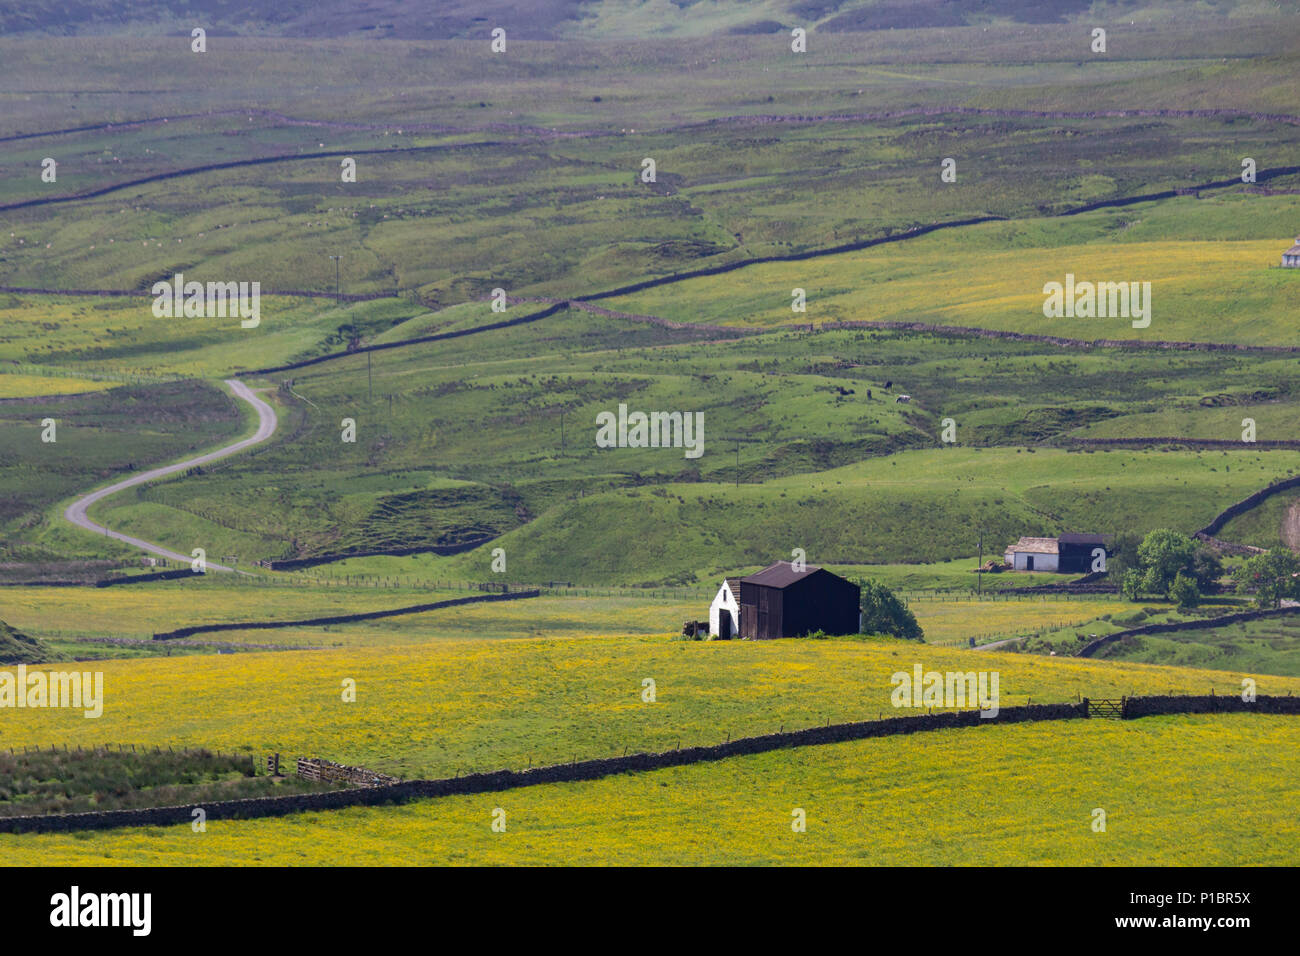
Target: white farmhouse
{"x": 1291, "y": 258}
{"x": 724, "y": 612}
{"x": 1033, "y": 554}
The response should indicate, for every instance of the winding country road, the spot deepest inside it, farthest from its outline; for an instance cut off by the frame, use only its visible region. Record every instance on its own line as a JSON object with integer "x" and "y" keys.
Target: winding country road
{"x": 266, "y": 425}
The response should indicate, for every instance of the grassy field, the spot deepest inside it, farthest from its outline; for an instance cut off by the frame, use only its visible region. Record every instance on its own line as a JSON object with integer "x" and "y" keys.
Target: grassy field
{"x": 466, "y": 438}
{"x": 1018, "y": 795}
{"x": 37, "y": 783}
{"x": 527, "y": 180}
{"x": 918, "y": 506}
{"x": 912, "y": 506}
{"x": 959, "y": 621}
{"x": 753, "y": 160}
{"x": 61, "y": 617}
{"x": 140, "y": 610}
{"x": 122, "y": 336}
{"x": 39, "y": 386}
{"x": 1261, "y": 526}
{"x": 1212, "y": 264}
{"x": 439, "y": 707}
{"x": 1269, "y": 646}
{"x": 98, "y": 435}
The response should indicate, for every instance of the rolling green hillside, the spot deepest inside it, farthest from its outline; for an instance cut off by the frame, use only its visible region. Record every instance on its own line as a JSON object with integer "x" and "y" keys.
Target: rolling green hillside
{"x": 97, "y": 435}
{"x": 17, "y": 648}
{"x": 914, "y": 506}
{"x": 1270, "y": 646}
{"x": 465, "y": 438}
{"x": 1212, "y": 264}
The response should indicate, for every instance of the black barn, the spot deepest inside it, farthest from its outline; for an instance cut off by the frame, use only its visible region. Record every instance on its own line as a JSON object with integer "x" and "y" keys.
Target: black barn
{"x": 782, "y": 602}
{"x": 1075, "y": 551}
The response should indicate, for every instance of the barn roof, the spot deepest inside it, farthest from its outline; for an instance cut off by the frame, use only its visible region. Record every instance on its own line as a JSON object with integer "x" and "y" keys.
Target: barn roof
{"x": 1085, "y": 538}
{"x": 780, "y": 575}
{"x": 1294, "y": 250}
{"x": 733, "y": 585}
{"x": 1035, "y": 546}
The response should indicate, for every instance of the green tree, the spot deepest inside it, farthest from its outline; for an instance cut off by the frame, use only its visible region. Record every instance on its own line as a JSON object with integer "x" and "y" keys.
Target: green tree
{"x": 1163, "y": 554}
{"x": 1122, "y": 555}
{"x": 1206, "y": 568}
{"x": 1271, "y": 576}
{"x": 884, "y": 612}
{"x": 1131, "y": 584}
{"x": 1184, "y": 591}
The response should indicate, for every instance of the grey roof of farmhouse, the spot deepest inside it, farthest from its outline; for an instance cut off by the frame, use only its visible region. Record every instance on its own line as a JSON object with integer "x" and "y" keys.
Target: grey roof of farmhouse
{"x": 1035, "y": 546}
{"x": 780, "y": 575}
{"x": 1294, "y": 250}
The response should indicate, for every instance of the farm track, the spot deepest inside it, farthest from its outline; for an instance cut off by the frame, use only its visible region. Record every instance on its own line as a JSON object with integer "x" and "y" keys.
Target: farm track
{"x": 266, "y": 425}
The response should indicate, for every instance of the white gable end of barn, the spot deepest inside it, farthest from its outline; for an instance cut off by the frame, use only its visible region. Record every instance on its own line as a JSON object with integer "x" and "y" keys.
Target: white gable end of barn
{"x": 727, "y": 599}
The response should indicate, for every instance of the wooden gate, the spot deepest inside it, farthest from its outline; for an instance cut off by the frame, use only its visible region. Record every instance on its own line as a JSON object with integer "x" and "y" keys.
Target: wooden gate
{"x": 1106, "y": 707}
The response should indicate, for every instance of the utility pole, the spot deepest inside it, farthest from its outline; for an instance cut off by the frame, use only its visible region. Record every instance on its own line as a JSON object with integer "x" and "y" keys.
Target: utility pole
{"x": 336, "y": 278}
{"x": 561, "y": 431}
{"x": 737, "y": 464}
{"x": 370, "y": 384}
{"x": 979, "y": 571}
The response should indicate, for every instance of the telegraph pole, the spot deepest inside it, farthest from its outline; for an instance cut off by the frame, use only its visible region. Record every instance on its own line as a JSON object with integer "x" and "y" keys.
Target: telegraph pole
{"x": 370, "y": 383}
{"x": 336, "y": 278}
{"x": 979, "y": 571}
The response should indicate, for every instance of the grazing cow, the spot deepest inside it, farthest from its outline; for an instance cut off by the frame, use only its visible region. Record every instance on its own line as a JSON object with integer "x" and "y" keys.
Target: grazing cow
{"x": 903, "y": 398}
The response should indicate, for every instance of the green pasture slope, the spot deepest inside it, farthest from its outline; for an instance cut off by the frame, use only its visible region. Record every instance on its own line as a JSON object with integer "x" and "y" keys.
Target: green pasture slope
{"x": 1266, "y": 646}
{"x": 1262, "y": 526}
{"x": 463, "y": 439}
{"x": 1212, "y": 264}
{"x": 98, "y": 435}
{"x": 520, "y": 172}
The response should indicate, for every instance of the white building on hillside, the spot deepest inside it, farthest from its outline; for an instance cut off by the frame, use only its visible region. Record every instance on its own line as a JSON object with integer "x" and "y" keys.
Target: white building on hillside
{"x": 1291, "y": 258}
{"x": 1033, "y": 554}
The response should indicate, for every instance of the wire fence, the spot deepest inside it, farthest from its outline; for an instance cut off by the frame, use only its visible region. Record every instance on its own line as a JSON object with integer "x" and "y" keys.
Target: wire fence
{"x": 989, "y": 597}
